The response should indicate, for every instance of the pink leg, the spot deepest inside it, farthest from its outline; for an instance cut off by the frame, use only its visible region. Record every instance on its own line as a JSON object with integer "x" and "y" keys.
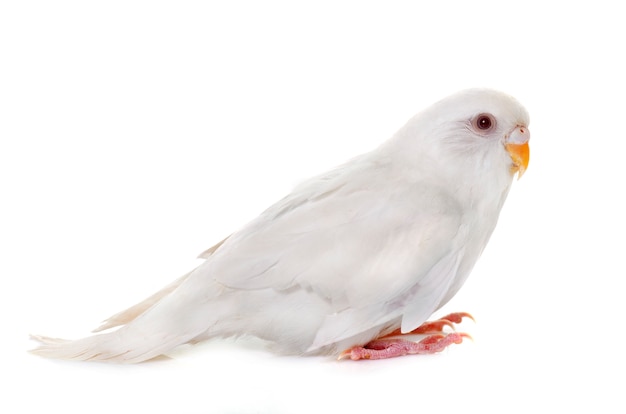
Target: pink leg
{"x": 389, "y": 348}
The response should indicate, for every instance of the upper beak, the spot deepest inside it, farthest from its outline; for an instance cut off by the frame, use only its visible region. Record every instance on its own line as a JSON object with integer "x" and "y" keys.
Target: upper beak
{"x": 517, "y": 146}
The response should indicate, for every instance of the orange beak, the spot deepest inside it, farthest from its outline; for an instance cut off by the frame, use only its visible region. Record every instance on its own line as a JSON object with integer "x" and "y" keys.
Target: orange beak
{"x": 520, "y": 154}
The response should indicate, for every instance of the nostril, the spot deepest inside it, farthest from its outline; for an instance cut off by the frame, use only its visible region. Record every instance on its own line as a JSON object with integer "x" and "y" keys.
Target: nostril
{"x": 519, "y": 135}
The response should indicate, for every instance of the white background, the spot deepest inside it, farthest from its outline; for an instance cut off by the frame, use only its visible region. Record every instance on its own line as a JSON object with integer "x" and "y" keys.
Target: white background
{"x": 136, "y": 134}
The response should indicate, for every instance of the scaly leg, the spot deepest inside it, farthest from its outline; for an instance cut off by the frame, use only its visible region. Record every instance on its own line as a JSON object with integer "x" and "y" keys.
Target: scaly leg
{"x": 389, "y": 347}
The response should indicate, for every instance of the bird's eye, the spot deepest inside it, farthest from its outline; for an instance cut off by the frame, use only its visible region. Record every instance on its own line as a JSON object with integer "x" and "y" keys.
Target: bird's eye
{"x": 484, "y": 123}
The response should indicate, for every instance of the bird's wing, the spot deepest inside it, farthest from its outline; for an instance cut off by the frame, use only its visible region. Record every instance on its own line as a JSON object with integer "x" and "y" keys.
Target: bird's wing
{"x": 365, "y": 246}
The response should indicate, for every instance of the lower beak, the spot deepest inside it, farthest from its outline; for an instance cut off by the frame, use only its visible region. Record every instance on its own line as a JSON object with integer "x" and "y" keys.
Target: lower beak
{"x": 520, "y": 154}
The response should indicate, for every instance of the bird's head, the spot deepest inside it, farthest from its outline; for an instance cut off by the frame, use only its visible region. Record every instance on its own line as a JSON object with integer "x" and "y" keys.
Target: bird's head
{"x": 489, "y": 127}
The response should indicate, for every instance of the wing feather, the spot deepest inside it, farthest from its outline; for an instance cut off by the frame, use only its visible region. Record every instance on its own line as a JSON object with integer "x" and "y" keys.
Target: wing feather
{"x": 367, "y": 253}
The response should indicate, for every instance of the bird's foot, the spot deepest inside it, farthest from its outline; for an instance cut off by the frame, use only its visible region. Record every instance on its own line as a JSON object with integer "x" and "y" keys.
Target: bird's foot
{"x": 394, "y": 347}
{"x": 436, "y": 326}
{"x": 390, "y": 346}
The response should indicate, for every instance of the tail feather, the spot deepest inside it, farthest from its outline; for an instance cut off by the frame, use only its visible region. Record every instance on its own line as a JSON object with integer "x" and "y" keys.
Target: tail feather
{"x": 173, "y": 316}
{"x": 168, "y": 321}
{"x": 48, "y": 340}
{"x": 117, "y": 346}
{"x": 130, "y": 314}
{"x": 86, "y": 349}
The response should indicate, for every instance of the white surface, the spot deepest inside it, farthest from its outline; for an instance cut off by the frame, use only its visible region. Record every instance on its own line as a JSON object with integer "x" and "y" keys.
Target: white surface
{"x": 136, "y": 134}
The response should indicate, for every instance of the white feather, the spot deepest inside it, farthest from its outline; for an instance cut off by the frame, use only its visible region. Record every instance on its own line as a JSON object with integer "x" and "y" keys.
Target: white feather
{"x": 376, "y": 244}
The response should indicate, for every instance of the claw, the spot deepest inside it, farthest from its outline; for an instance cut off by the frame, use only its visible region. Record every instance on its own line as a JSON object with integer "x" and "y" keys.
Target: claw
{"x": 438, "y": 325}
{"x": 457, "y": 317}
{"x": 345, "y": 354}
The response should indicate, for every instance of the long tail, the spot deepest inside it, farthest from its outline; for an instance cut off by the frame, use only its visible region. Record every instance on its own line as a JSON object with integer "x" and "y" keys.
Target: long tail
{"x": 155, "y": 326}
{"x": 150, "y": 328}
{"x": 121, "y": 346}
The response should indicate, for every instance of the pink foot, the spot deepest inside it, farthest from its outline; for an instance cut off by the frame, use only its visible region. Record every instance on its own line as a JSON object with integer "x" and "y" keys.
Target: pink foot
{"x": 390, "y": 348}
{"x": 435, "y": 326}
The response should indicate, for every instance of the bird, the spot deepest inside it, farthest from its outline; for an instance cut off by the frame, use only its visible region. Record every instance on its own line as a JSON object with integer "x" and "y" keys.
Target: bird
{"x": 352, "y": 260}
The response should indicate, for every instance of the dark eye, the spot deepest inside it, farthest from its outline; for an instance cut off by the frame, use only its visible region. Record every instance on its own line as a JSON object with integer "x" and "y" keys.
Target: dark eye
{"x": 484, "y": 123}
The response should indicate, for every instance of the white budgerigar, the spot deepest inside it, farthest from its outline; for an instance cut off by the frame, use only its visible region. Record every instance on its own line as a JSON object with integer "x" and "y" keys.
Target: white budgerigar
{"x": 368, "y": 249}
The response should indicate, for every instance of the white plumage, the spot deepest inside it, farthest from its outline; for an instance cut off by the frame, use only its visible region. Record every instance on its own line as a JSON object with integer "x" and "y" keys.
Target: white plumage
{"x": 379, "y": 243}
